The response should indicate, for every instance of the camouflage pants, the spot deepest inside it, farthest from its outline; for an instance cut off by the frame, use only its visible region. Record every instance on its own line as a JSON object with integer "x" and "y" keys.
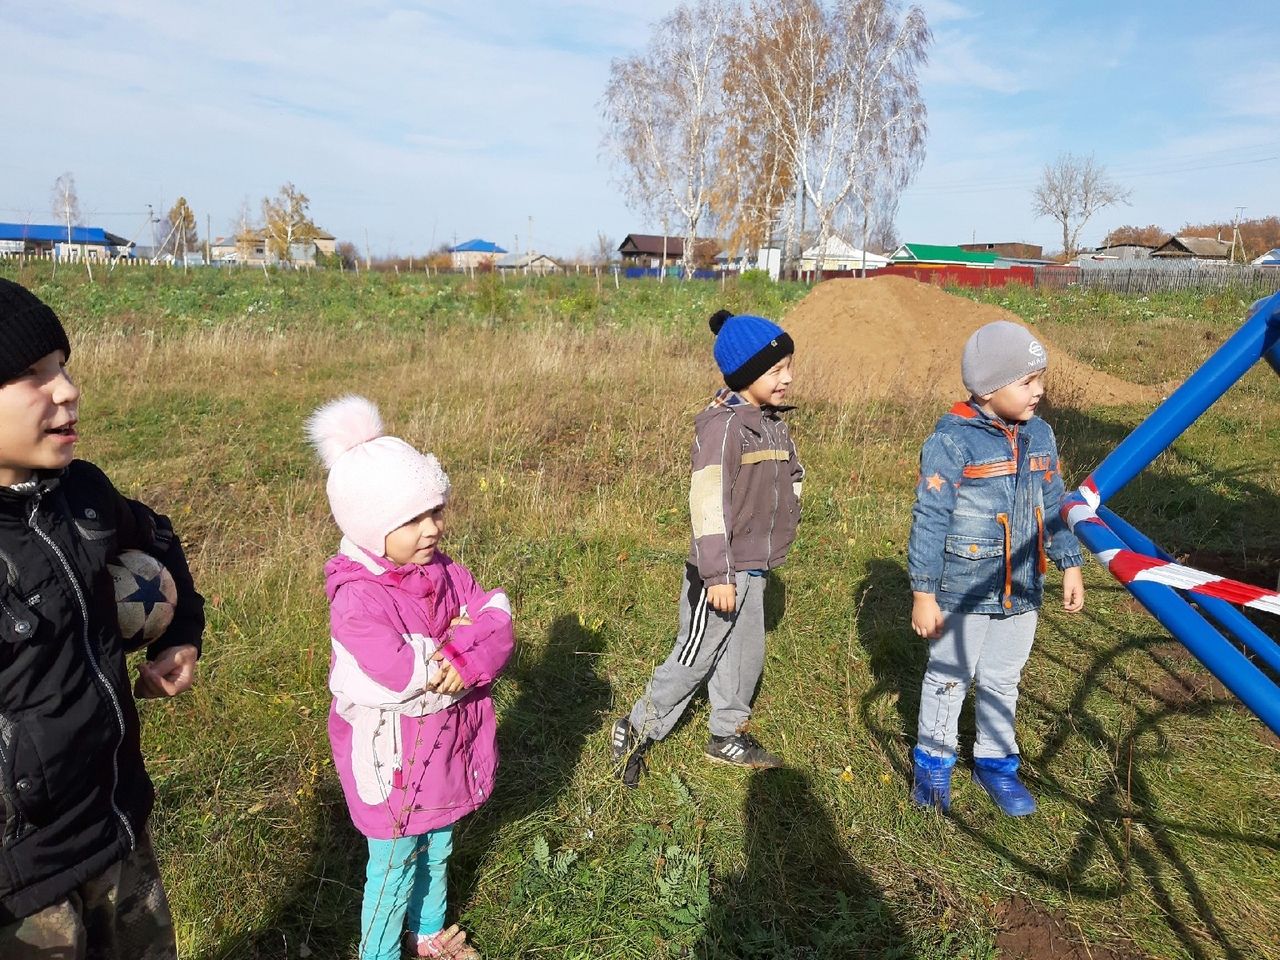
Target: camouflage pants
{"x": 121, "y": 914}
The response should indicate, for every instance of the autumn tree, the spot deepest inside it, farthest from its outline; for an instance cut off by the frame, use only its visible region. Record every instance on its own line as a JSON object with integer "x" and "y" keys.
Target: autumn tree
{"x": 1151, "y": 235}
{"x": 1071, "y": 190}
{"x": 828, "y": 114}
{"x": 65, "y": 202}
{"x": 663, "y": 114}
{"x": 285, "y": 221}
{"x": 182, "y": 237}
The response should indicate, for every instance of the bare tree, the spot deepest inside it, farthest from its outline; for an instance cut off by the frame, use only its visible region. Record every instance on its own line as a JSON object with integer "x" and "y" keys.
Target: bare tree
{"x": 65, "y": 202}
{"x": 1071, "y": 190}
{"x": 663, "y": 114}
{"x": 285, "y": 221}
{"x": 604, "y": 250}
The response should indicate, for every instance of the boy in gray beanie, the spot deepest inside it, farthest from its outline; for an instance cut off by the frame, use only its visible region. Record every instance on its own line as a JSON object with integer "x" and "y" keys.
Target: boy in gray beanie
{"x": 984, "y": 527}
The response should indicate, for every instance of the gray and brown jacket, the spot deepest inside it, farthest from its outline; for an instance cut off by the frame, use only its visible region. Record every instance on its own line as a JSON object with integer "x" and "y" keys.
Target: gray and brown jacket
{"x": 744, "y": 495}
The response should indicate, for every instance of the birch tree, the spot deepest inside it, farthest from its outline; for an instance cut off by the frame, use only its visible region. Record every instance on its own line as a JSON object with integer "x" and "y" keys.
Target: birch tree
{"x": 286, "y": 222}
{"x": 1071, "y": 190}
{"x": 65, "y": 202}
{"x": 663, "y": 113}
{"x": 839, "y": 88}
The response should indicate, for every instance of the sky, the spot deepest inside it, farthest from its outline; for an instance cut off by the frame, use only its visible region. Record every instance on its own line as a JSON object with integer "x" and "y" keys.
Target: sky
{"x": 415, "y": 124}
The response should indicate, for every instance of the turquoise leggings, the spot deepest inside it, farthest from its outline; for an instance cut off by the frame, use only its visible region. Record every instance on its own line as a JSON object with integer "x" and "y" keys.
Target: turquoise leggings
{"x": 405, "y": 876}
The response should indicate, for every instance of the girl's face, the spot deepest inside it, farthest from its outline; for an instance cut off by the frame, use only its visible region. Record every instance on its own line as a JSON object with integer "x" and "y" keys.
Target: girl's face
{"x": 415, "y": 541}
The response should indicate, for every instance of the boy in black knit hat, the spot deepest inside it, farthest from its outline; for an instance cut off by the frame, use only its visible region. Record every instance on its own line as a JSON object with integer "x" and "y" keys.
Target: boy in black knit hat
{"x": 744, "y": 503}
{"x": 78, "y": 876}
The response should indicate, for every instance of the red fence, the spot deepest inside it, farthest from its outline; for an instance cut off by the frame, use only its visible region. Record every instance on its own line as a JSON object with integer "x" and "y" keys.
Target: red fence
{"x": 956, "y": 275}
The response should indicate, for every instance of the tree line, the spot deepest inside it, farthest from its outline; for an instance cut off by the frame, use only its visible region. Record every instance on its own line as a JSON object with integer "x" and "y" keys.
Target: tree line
{"x": 283, "y": 221}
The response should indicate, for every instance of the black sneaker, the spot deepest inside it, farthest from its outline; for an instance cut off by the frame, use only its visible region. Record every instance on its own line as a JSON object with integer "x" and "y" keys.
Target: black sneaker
{"x": 629, "y": 747}
{"x": 741, "y": 750}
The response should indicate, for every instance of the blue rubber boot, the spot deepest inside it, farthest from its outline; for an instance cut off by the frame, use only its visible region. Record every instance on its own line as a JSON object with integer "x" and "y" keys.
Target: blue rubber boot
{"x": 999, "y": 777}
{"x": 931, "y": 780}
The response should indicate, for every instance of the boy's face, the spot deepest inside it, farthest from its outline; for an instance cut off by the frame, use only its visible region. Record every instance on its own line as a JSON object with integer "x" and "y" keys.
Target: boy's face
{"x": 38, "y": 411}
{"x": 415, "y": 541}
{"x": 770, "y": 388}
{"x": 1017, "y": 401}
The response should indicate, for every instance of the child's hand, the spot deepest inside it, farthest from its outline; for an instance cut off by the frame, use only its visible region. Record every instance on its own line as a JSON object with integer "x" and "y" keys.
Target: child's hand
{"x": 723, "y": 597}
{"x": 461, "y": 620}
{"x": 168, "y": 674}
{"x": 926, "y": 616}
{"x": 1072, "y": 590}
{"x": 447, "y": 680}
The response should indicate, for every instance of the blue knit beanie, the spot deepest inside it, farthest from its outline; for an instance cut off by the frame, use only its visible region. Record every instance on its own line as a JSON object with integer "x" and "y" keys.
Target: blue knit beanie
{"x": 747, "y": 346}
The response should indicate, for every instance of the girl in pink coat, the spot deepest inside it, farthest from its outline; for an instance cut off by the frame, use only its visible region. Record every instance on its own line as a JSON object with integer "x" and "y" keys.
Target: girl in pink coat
{"x": 416, "y": 645}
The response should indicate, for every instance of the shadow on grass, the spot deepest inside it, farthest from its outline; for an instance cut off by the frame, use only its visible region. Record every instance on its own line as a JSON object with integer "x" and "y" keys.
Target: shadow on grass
{"x": 800, "y": 895}
{"x": 1124, "y": 843}
{"x": 540, "y": 737}
{"x": 1183, "y": 502}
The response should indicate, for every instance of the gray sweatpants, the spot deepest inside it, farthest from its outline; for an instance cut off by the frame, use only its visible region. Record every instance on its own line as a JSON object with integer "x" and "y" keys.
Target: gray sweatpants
{"x": 993, "y": 650}
{"x": 725, "y": 649}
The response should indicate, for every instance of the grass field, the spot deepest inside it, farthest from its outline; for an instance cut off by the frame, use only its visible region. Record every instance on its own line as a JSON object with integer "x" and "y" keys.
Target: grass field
{"x": 561, "y": 410}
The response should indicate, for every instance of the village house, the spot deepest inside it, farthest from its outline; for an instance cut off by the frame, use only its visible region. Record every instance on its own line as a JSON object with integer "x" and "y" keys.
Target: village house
{"x": 653, "y": 250}
{"x": 1008, "y": 251}
{"x": 530, "y": 262}
{"x": 77, "y": 243}
{"x": 475, "y": 254}
{"x": 927, "y": 254}
{"x": 1193, "y": 248}
{"x": 838, "y": 254}
{"x": 251, "y": 249}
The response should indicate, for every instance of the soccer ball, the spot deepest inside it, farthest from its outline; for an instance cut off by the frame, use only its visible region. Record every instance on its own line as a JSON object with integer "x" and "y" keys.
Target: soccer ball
{"x": 145, "y": 597}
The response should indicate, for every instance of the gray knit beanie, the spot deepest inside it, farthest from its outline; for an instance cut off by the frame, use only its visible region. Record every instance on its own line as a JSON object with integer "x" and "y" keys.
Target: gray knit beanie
{"x": 997, "y": 355}
{"x": 29, "y": 329}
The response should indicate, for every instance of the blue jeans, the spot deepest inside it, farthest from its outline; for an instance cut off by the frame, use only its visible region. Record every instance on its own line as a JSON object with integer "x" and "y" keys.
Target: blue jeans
{"x": 990, "y": 650}
{"x": 405, "y": 876}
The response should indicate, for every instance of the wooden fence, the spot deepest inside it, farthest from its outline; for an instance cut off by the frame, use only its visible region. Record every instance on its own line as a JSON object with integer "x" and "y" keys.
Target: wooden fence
{"x": 1143, "y": 277}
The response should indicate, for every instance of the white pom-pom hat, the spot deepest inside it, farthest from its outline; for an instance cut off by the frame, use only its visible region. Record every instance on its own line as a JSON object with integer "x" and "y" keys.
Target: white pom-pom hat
{"x": 376, "y": 483}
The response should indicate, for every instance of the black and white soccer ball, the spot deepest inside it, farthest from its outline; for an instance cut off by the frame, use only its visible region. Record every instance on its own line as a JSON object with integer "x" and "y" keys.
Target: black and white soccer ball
{"x": 145, "y": 597}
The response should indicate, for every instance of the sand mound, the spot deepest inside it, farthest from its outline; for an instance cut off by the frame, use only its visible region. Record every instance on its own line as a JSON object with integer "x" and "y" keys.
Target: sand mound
{"x": 896, "y": 336}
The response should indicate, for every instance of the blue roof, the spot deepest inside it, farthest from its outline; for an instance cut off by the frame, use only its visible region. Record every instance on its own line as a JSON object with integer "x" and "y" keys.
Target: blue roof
{"x": 56, "y": 233}
{"x": 477, "y": 246}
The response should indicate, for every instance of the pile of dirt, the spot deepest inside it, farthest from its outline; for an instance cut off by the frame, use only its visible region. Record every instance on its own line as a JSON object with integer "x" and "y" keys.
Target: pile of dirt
{"x": 896, "y": 336}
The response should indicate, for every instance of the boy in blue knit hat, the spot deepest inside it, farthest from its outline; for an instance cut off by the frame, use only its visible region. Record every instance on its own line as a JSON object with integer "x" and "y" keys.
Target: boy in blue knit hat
{"x": 744, "y": 503}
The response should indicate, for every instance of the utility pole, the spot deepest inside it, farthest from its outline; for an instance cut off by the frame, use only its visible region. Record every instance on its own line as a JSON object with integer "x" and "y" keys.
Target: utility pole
{"x": 1235, "y": 236}
{"x": 528, "y": 238}
{"x": 208, "y": 239}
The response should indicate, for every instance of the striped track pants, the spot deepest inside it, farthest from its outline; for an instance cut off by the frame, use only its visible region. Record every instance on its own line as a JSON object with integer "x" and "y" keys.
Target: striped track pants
{"x": 725, "y": 650}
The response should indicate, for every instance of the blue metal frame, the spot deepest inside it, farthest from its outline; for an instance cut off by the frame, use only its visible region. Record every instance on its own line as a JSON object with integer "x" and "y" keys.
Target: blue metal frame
{"x": 1257, "y": 339}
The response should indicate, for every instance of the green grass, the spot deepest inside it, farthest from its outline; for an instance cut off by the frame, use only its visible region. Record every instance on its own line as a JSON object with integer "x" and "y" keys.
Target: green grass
{"x": 562, "y": 413}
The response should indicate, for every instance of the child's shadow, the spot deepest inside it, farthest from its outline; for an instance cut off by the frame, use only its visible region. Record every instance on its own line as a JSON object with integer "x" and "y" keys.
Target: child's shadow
{"x": 897, "y": 659}
{"x": 801, "y": 894}
{"x": 541, "y": 735}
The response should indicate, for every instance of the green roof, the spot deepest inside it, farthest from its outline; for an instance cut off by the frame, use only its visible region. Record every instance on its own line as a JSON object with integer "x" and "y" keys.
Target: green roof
{"x": 931, "y": 253}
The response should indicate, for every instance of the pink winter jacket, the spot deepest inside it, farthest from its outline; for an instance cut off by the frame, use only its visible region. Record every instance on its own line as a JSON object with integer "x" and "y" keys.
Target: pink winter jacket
{"x": 411, "y": 760}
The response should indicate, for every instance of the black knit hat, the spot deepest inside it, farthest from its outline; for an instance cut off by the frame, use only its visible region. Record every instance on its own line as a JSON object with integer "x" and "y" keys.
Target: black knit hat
{"x": 29, "y": 329}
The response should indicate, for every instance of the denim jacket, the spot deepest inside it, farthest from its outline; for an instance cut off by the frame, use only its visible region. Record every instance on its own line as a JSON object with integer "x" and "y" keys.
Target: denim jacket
{"x": 985, "y": 521}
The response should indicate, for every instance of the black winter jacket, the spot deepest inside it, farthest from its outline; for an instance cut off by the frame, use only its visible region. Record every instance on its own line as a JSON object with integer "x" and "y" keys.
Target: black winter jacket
{"x": 74, "y": 791}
